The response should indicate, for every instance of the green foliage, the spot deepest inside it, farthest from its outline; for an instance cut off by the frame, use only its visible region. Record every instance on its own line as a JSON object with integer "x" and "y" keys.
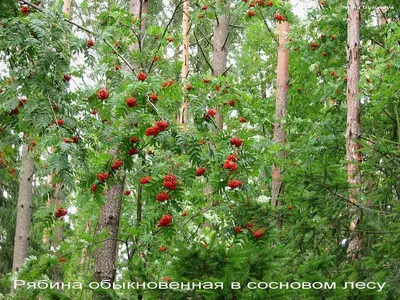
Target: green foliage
{"x": 213, "y": 234}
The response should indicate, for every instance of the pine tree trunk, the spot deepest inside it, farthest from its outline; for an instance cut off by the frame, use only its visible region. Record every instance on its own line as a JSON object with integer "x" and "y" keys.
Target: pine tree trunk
{"x": 67, "y": 7}
{"x": 24, "y": 209}
{"x": 220, "y": 51}
{"x": 105, "y": 256}
{"x": 353, "y": 130}
{"x": 183, "y": 114}
{"x": 282, "y": 87}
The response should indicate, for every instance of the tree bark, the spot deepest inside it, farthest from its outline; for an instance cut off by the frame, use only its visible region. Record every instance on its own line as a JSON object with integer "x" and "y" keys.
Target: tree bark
{"x": 282, "y": 87}
{"x": 183, "y": 115}
{"x": 24, "y": 209}
{"x": 105, "y": 256}
{"x": 353, "y": 129}
{"x": 67, "y": 7}
{"x": 220, "y": 51}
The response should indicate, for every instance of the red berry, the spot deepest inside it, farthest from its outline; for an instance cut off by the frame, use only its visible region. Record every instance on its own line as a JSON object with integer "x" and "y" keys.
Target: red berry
{"x": 155, "y": 58}
{"x": 102, "y": 176}
{"x": 200, "y": 171}
{"x": 89, "y": 43}
{"x": 102, "y": 94}
{"x": 59, "y": 122}
{"x": 233, "y": 184}
{"x": 167, "y": 84}
{"x": 131, "y": 102}
{"x": 62, "y": 260}
{"x": 204, "y": 7}
{"x": 153, "y": 97}
{"x": 163, "y": 196}
{"x": 141, "y": 76}
{"x": 165, "y": 221}
{"x": 152, "y": 131}
{"x": 60, "y": 212}
{"x": 170, "y": 39}
{"x": 206, "y": 80}
{"x": 189, "y": 87}
{"x": 278, "y": 17}
{"x": 14, "y": 111}
{"x": 259, "y": 233}
{"x": 231, "y": 103}
{"x": 133, "y": 151}
{"x": 324, "y": 53}
{"x": 118, "y": 67}
{"x": 127, "y": 193}
{"x": 25, "y": 9}
{"x": 93, "y": 187}
{"x": 184, "y": 214}
{"x": 67, "y": 77}
{"x": 162, "y": 125}
{"x": 134, "y": 139}
{"x": 238, "y": 229}
{"x": 212, "y": 112}
{"x": 118, "y": 163}
{"x": 94, "y": 112}
{"x": 145, "y": 180}
{"x": 230, "y": 165}
{"x": 242, "y": 120}
{"x": 232, "y": 157}
{"x": 270, "y": 3}
{"x": 251, "y": 13}
{"x": 163, "y": 248}
{"x": 236, "y": 141}
{"x": 75, "y": 139}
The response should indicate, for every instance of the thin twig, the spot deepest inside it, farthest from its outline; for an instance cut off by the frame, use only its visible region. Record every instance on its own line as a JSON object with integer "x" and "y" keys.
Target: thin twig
{"x": 269, "y": 29}
{"x": 202, "y": 52}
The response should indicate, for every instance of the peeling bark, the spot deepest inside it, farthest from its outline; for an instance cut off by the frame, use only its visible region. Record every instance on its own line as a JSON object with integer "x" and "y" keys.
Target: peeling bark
{"x": 353, "y": 129}
{"x": 282, "y": 88}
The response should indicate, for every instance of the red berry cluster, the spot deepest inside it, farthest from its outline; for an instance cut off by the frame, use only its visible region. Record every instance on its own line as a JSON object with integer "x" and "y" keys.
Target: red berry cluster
{"x": 117, "y": 164}
{"x": 210, "y": 113}
{"x": 134, "y": 139}
{"x": 167, "y": 84}
{"x": 25, "y": 9}
{"x": 279, "y": 17}
{"x": 200, "y": 171}
{"x": 102, "y": 94}
{"x": 14, "y": 111}
{"x": 131, "y": 102}
{"x": 157, "y": 128}
{"x": 89, "y": 43}
{"x": 314, "y": 46}
{"x": 233, "y": 184}
{"x": 59, "y": 122}
{"x": 93, "y": 187}
{"x": 238, "y": 229}
{"x": 236, "y": 141}
{"x": 153, "y": 97}
{"x": 141, "y": 76}
{"x": 60, "y": 212}
{"x": 242, "y": 120}
{"x": 145, "y": 180}
{"x": 270, "y": 3}
{"x": 165, "y": 221}
{"x": 258, "y": 234}
{"x": 251, "y": 13}
{"x": 102, "y": 176}
{"x": 230, "y": 165}
{"x": 170, "y": 182}
{"x": 133, "y": 151}
{"x": 163, "y": 196}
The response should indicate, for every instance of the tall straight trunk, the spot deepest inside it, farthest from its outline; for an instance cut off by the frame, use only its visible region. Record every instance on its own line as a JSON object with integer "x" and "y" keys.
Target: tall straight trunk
{"x": 24, "y": 209}
{"x": 105, "y": 256}
{"x": 67, "y": 7}
{"x": 183, "y": 115}
{"x": 282, "y": 87}
{"x": 353, "y": 129}
{"x": 220, "y": 51}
